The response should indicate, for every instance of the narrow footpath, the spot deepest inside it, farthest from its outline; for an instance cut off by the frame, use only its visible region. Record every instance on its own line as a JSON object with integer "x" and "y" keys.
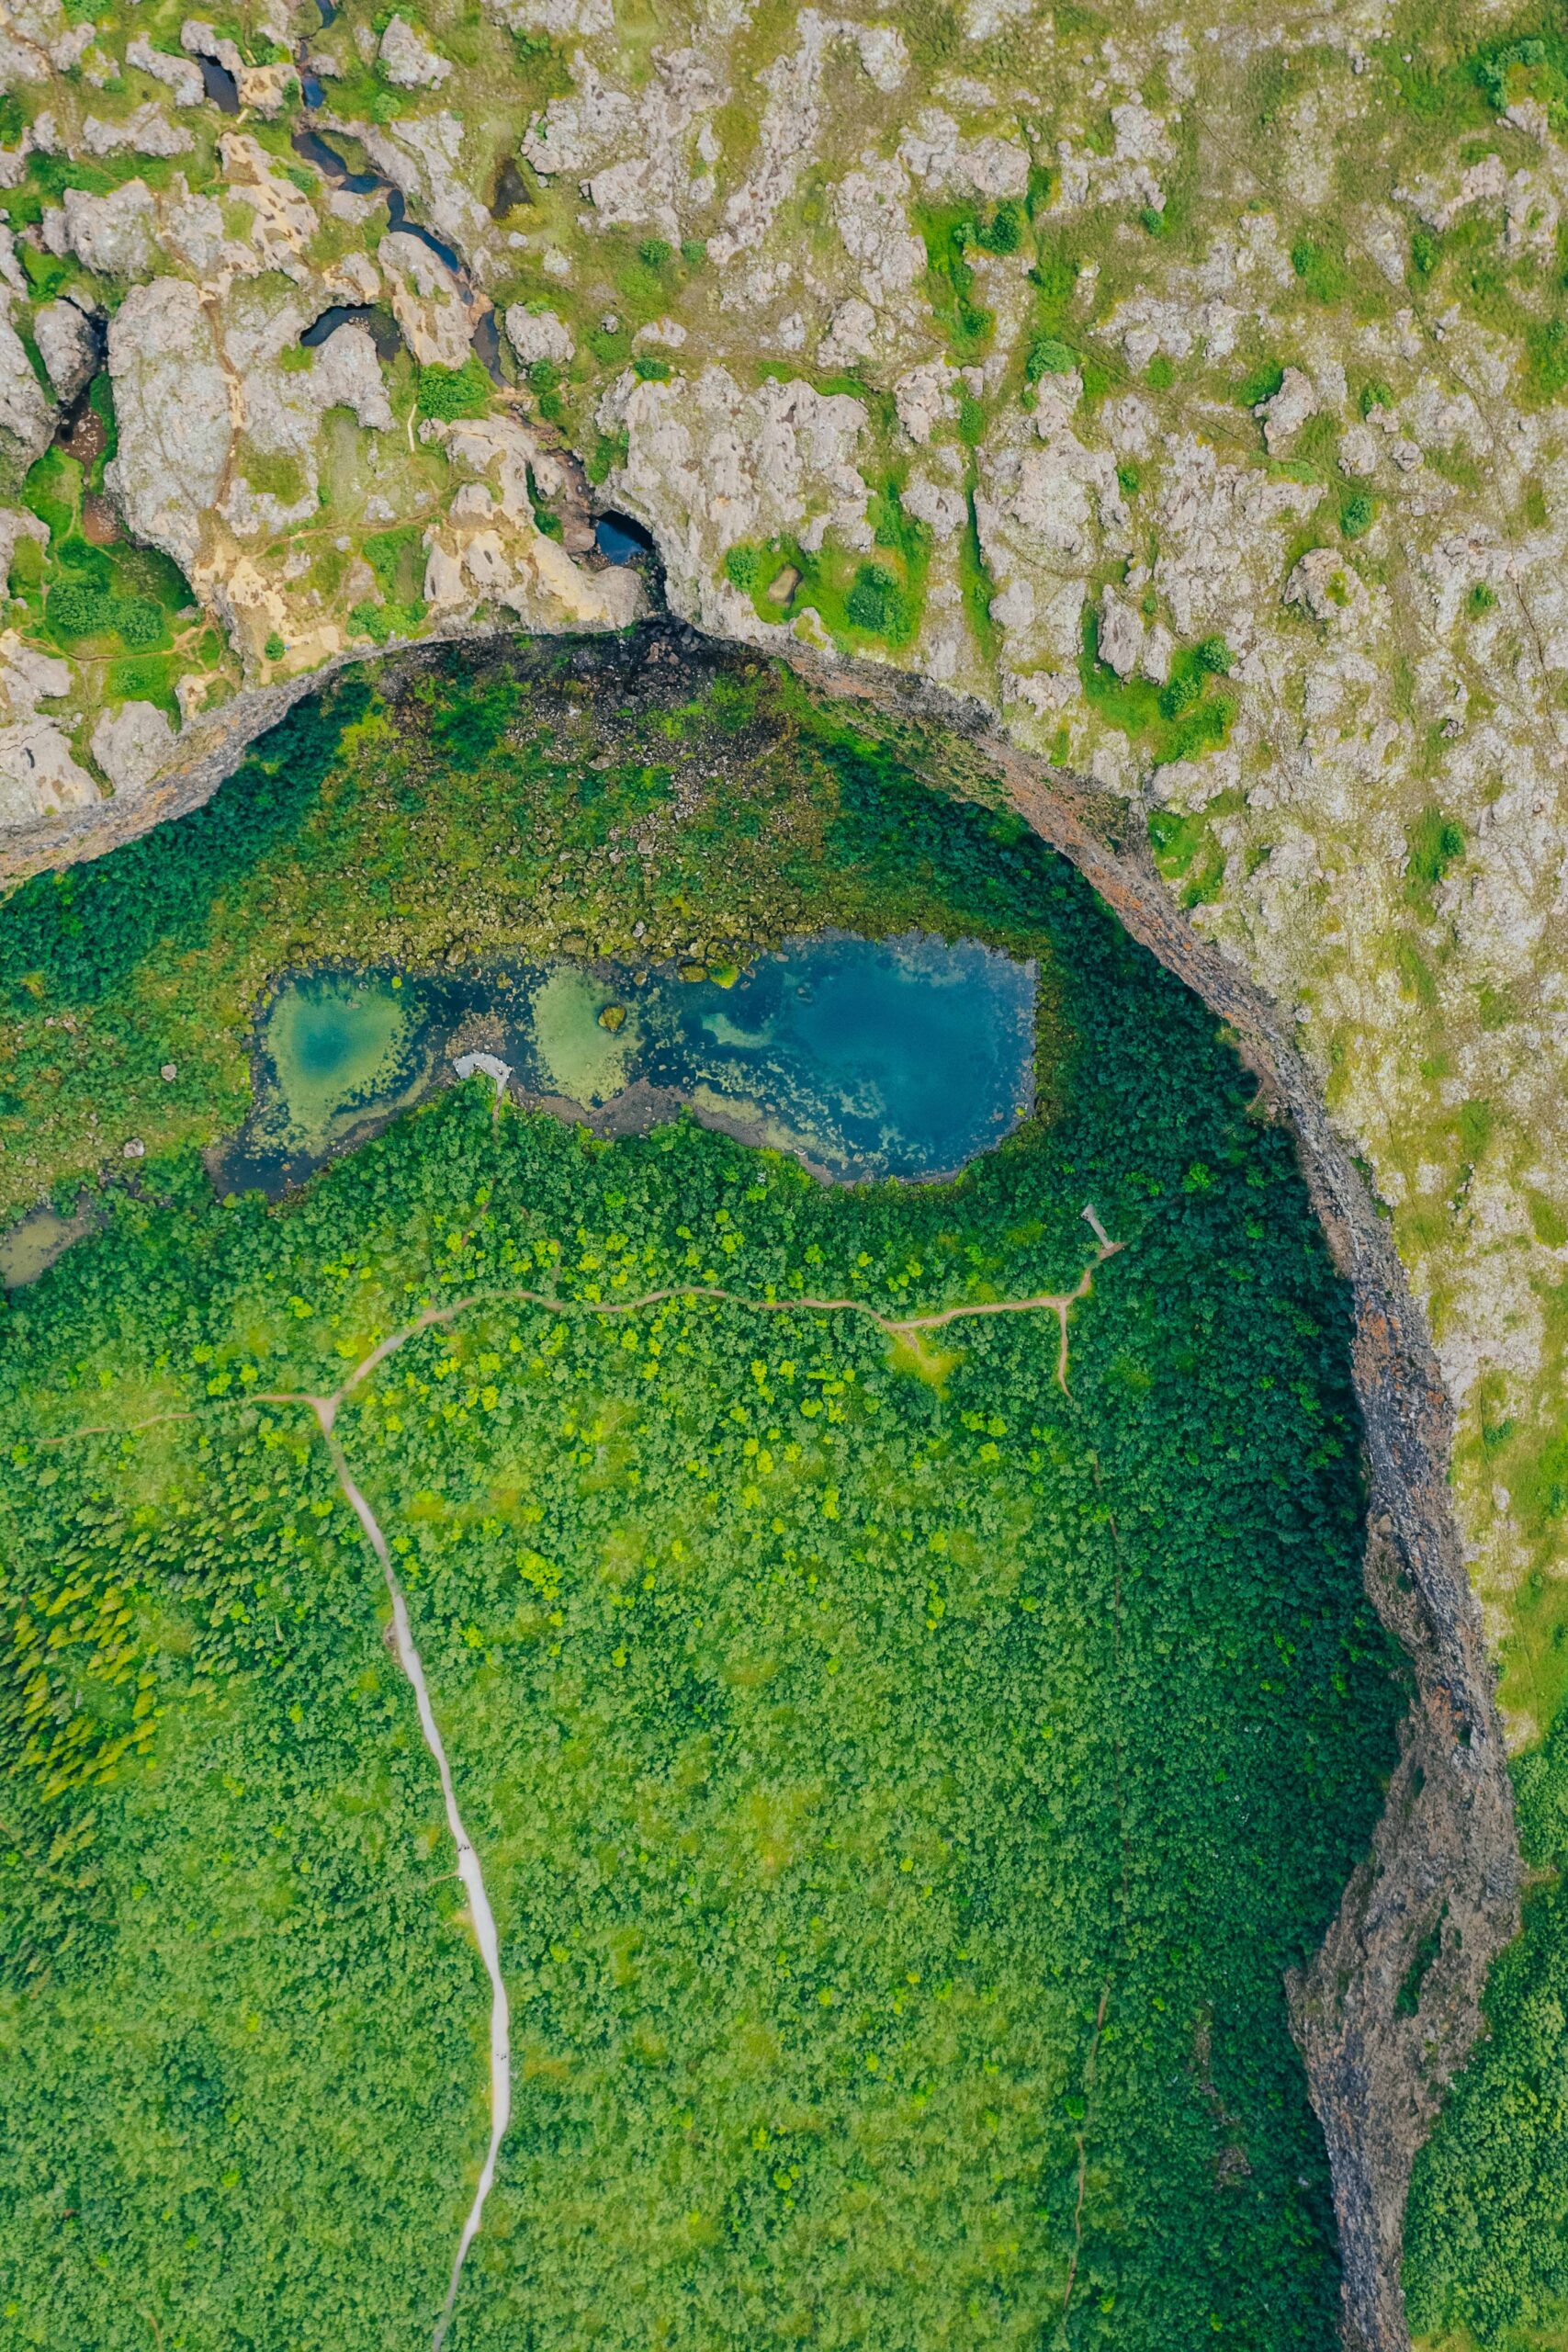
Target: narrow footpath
{"x": 469, "y": 1869}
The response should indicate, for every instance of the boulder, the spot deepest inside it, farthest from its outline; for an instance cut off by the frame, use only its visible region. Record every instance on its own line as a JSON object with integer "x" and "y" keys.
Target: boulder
{"x": 68, "y": 346}
{"x": 1287, "y": 410}
{"x": 538, "y": 335}
{"x": 1327, "y": 587}
{"x": 1120, "y": 634}
{"x": 132, "y": 743}
{"x": 409, "y": 61}
{"x": 112, "y": 235}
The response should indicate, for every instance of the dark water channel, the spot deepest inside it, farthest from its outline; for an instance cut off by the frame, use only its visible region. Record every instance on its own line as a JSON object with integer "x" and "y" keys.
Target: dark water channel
{"x": 864, "y": 1058}
{"x": 383, "y": 328}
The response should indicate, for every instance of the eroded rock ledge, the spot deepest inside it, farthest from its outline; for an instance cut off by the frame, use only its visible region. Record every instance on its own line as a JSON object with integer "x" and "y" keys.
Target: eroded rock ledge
{"x": 1390, "y": 2007}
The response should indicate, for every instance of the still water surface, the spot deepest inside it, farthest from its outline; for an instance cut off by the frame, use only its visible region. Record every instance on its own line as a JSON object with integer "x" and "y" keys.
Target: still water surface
{"x": 863, "y": 1057}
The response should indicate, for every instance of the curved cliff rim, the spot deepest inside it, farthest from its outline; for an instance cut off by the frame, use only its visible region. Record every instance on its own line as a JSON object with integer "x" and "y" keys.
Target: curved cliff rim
{"x": 1390, "y": 2007}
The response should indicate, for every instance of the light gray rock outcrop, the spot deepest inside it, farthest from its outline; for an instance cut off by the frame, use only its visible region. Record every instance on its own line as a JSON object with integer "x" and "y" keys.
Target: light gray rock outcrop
{"x": 710, "y": 464}
{"x": 113, "y": 235}
{"x": 68, "y": 346}
{"x": 1120, "y": 634}
{"x": 27, "y": 415}
{"x": 538, "y": 335}
{"x": 562, "y": 18}
{"x": 172, "y": 401}
{"x": 147, "y": 131}
{"x": 132, "y": 743}
{"x": 409, "y": 61}
{"x": 1288, "y": 410}
{"x": 16, "y": 523}
{"x": 177, "y": 74}
{"x": 29, "y": 678}
{"x": 39, "y": 774}
{"x": 427, "y": 302}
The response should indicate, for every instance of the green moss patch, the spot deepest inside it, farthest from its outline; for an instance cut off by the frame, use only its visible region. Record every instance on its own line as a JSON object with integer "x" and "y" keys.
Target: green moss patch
{"x": 1191, "y": 714}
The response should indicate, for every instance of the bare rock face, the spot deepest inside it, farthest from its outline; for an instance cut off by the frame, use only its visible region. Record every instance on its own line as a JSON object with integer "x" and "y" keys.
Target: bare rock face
{"x": 427, "y": 302}
{"x": 178, "y": 73}
{"x": 710, "y": 465}
{"x": 68, "y": 345}
{"x": 409, "y": 61}
{"x": 1120, "y": 635}
{"x": 39, "y": 773}
{"x": 562, "y": 18}
{"x": 133, "y": 744}
{"x": 1286, "y": 411}
{"x": 489, "y": 549}
{"x": 29, "y": 678}
{"x": 147, "y": 131}
{"x": 26, "y": 417}
{"x": 114, "y": 234}
{"x": 172, "y": 400}
{"x": 538, "y": 335}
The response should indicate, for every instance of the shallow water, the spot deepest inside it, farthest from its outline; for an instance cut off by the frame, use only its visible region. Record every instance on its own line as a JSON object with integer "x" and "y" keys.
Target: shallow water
{"x": 864, "y": 1058}
{"x": 620, "y": 539}
{"x": 38, "y": 1241}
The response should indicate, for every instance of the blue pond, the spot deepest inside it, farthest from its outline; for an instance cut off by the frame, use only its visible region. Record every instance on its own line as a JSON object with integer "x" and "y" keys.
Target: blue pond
{"x": 865, "y": 1058}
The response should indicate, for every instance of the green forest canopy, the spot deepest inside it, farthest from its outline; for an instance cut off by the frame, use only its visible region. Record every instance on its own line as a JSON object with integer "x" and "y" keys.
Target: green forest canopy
{"x": 902, "y": 1785}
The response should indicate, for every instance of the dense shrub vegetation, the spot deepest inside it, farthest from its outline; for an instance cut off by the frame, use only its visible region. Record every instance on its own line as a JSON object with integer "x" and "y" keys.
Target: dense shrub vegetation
{"x": 1488, "y": 2229}
{"x": 74, "y": 934}
{"x": 901, "y": 1785}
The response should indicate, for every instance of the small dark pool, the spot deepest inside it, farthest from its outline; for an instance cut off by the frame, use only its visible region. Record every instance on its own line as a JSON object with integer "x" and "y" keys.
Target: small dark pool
{"x": 620, "y": 539}
{"x": 383, "y": 327}
{"x": 315, "y": 150}
{"x": 221, "y": 86}
{"x": 487, "y": 346}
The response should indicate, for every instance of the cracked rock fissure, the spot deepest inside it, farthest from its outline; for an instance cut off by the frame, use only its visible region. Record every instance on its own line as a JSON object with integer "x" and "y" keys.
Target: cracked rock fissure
{"x": 1444, "y": 1858}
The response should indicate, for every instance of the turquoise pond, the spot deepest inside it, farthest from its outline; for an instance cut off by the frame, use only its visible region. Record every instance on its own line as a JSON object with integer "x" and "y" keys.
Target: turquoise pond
{"x": 865, "y": 1058}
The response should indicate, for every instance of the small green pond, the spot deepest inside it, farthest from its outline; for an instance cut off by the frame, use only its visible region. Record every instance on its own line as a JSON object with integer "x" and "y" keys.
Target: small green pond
{"x": 863, "y": 1057}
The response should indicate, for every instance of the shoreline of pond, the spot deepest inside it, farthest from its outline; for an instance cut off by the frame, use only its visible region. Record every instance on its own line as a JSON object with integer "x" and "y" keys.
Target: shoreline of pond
{"x": 834, "y": 1048}
{"x": 456, "y": 1030}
